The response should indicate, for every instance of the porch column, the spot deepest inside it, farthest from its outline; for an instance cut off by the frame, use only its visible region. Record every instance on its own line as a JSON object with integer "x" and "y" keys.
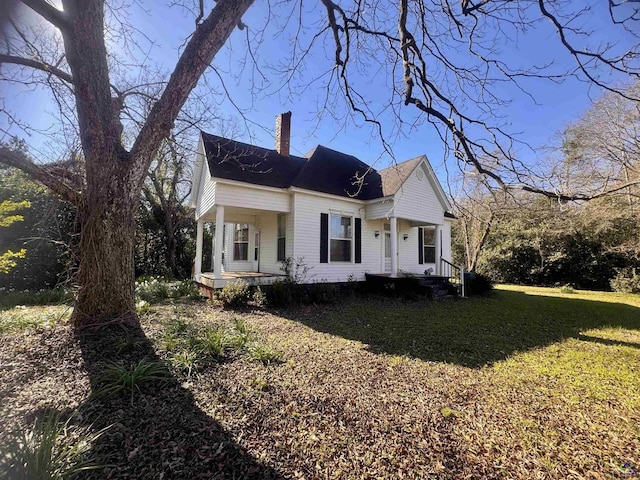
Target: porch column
{"x": 198, "y": 265}
{"x": 217, "y": 266}
{"x": 394, "y": 246}
{"x": 438, "y": 240}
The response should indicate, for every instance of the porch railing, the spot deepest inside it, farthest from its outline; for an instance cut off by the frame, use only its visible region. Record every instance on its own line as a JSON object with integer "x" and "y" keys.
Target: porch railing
{"x": 454, "y": 273}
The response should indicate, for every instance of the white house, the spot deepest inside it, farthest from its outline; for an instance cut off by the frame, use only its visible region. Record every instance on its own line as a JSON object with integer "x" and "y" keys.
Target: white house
{"x": 337, "y": 214}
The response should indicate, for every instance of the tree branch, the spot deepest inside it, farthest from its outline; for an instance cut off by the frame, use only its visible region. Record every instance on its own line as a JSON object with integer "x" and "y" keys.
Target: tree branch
{"x": 48, "y": 12}
{"x": 20, "y": 160}
{"x": 45, "y": 67}
{"x": 205, "y": 43}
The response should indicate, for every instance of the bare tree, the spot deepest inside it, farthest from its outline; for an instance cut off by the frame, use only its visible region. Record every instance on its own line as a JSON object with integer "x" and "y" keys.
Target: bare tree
{"x": 477, "y": 208}
{"x": 114, "y": 174}
{"x": 450, "y": 61}
{"x": 601, "y": 150}
{"x": 166, "y": 189}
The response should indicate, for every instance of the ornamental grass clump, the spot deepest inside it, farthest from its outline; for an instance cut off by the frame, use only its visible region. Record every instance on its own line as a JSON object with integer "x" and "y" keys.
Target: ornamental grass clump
{"x": 118, "y": 378}
{"x": 51, "y": 449}
{"x": 265, "y": 354}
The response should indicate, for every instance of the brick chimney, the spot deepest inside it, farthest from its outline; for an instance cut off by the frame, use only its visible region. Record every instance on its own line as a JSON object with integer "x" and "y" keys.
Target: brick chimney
{"x": 283, "y": 133}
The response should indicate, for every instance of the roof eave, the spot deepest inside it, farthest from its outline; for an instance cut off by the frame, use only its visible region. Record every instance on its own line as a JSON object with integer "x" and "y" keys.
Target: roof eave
{"x": 197, "y": 174}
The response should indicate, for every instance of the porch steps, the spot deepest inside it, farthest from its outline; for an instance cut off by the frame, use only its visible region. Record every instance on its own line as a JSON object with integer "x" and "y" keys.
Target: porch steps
{"x": 433, "y": 286}
{"x": 438, "y": 287}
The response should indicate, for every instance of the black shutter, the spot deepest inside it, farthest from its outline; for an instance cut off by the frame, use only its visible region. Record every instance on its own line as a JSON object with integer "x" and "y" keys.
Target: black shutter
{"x": 358, "y": 240}
{"x": 324, "y": 238}
{"x": 420, "y": 245}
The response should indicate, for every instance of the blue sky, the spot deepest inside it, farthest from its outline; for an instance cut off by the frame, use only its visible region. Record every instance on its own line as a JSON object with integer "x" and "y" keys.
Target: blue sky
{"x": 534, "y": 123}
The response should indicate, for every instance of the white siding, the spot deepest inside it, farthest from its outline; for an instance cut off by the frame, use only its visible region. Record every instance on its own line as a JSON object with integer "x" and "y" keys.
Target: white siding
{"x": 307, "y": 210}
{"x": 416, "y": 200}
{"x": 268, "y": 225}
{"x": 248, "y": 197}
{"x": 446, "y": 240}
{"x": 382, "y": 209}
{"x": 207, "y": 195}
{"x": 408, "y": 249}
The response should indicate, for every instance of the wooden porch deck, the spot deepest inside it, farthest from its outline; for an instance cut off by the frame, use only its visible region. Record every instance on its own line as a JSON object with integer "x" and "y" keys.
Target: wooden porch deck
{"x": 207, "y": 279}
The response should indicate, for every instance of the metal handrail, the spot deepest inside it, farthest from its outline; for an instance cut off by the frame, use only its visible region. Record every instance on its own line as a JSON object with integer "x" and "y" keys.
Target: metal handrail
{"x": 455, "y": 274}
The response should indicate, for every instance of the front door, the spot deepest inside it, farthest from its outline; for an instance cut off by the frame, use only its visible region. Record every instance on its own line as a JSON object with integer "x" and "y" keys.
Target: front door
{"x": 256, "y": 252}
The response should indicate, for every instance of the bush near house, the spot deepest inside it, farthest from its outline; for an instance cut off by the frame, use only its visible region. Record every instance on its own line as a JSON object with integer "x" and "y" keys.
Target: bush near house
{"x": 477, "y": 284}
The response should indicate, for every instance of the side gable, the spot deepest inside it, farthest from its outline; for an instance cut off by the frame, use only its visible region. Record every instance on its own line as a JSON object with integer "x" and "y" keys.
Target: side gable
{"x": 420, "y": 197}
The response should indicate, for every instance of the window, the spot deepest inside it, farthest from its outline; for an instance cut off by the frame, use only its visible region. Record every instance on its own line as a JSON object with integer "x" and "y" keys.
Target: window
{"x": 429, "y": 244}
{"x": 282, "y": 237}
{"x": 241, "y": 242}
{"x": 340, "y": 235}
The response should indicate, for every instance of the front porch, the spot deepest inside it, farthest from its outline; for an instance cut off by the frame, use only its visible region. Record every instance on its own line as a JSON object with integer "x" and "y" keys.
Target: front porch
{"x": 210, "y": 281}
{"x": 246, "y": 244}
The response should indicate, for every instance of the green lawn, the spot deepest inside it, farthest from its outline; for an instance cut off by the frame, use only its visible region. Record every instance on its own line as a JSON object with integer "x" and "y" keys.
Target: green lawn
{"x": 526, "y": 383}
{"x": 481, "y": 331}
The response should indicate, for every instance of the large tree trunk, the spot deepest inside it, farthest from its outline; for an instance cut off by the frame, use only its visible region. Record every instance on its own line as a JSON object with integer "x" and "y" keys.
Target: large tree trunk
{"x": 106, "y": 272}
{"x": 108, "y": 199}
{"x": 172, "y": 248}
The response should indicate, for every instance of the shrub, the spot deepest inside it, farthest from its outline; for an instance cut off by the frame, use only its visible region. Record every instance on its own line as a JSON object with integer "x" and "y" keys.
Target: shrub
{"x": 280, "y": 293}
{"x": 259, "y": 298}
{"x": 295, "y": 269}
{"x": 321, "y": 293}
{"x": 152, "y": 290}
{"x": 627, "y": 280}
{"x": 477, "y": 284}
{"x": 185, "y": 289}
{"x": 51, "y": 449}
{"x": 235, "y": 295}
{"x": 142, "y": 307}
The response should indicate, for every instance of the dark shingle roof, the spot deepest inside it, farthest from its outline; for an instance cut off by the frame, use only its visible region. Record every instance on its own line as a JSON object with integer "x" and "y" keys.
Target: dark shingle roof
{"x": 247, "y": 163}
{"x": 325, "y": 170}
{"x": 337, "y": 173}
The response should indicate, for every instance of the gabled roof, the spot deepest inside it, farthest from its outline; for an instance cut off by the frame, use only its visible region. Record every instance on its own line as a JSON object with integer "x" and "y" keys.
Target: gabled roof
{"x": 324, "y": 170}
{"x": 394, "y": 176}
